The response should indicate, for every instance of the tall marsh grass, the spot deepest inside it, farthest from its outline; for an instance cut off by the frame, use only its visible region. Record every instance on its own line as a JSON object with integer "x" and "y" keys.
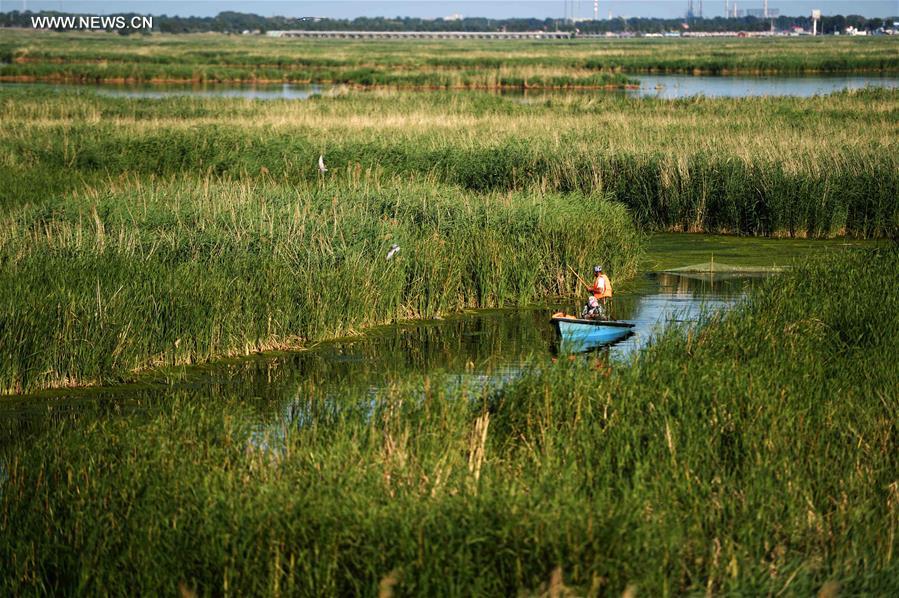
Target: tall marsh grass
{"x": 136, "y": 232}
{"x": 132, "y": 275}
{"x": 752, "y": 454}
{"x": 805, "y": 167}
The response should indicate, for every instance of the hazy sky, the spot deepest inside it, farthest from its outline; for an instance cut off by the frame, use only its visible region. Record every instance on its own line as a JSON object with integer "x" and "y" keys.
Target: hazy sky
{"x": 442, "y": 8}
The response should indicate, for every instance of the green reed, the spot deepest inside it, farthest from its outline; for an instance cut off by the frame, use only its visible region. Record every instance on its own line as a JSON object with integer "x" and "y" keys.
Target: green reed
{"x": 138, "y": 233}
{"x": 802, "y": 167}
{"x": 99, "y": 283}
{"x": 751, "y": 454}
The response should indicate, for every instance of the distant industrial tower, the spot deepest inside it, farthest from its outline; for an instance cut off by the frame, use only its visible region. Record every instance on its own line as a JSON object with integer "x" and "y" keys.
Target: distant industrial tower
{"x": 690, "y": 13}
{"x": 765, "y": 9}
{"x": 568, "y": 11}
{"x": 595, "y": 10}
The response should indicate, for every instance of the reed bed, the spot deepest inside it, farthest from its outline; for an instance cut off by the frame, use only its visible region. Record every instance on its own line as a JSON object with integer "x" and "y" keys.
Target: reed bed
{"x": 132, "y": 275}
{"x": 197, "y": 58}
{"x": 751, "y": 454}
{"x": 136, "y": 233}
{"x": 801, "y": 167}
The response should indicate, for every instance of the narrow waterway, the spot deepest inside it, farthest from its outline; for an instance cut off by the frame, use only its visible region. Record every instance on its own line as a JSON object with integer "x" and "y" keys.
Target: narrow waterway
{"x": 483, "y": 348}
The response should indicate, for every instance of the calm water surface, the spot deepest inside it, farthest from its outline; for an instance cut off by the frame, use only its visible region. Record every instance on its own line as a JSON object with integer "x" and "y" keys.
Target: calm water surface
{"x": 657, "y": 86}
{"x": 285, "y": 91}
{"x": 680, "y": 86}
{"x": 479, "y": 349}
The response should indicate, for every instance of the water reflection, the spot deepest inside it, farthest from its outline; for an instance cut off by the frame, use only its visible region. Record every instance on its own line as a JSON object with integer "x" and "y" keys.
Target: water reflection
{"x": 656, "y": 86}
{"x": 286, "y": 91}
{"x": 251, "y": 91}
{"x": 679, "y": 86}
{"x": 672, "y": 87}
{"x": 475, "y": 350}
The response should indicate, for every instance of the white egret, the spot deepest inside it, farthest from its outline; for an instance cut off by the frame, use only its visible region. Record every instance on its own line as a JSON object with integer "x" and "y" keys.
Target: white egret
{"x": 321, "y": 164}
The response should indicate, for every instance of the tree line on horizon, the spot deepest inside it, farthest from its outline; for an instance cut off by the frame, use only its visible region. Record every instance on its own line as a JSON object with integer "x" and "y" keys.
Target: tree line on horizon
{"x": 236, "y": 22}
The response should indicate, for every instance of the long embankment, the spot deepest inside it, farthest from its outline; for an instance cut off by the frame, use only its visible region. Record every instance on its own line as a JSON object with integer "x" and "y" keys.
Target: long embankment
{"x": 753, "y": 454}
{"x": 96, "y": 58}
{"x": 139, "y": 233}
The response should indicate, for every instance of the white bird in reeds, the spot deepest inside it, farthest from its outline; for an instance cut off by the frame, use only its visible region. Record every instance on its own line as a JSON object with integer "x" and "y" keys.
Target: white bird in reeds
{"x": 393, "y": 250}
{"x": 321, "y": 164}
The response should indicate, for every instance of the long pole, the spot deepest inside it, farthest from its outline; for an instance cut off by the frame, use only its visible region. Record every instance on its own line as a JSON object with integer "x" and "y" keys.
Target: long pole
{"x": 579, "y": 277}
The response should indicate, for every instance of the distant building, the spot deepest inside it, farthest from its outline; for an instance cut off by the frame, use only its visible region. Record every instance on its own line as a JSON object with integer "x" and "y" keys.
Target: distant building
{"x": 759, "y": 13}
{"x": 342, "y": 34}
{"x": 454, "y": 17}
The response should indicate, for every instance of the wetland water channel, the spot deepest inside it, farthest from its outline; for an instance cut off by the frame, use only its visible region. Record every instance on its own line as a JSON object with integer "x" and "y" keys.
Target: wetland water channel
{"x": 657, "y": 86}
{"x": 476, "y": 349}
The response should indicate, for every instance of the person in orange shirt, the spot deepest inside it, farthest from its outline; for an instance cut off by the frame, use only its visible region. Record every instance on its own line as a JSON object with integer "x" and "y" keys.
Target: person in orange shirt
{"x": 597, "y": 307}
{"x": 602, "y": 288}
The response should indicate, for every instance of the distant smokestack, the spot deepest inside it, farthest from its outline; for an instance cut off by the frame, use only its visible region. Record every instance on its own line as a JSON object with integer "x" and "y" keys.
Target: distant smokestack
{"x": 595, "y": 10}
{"x": 765, "y": 9}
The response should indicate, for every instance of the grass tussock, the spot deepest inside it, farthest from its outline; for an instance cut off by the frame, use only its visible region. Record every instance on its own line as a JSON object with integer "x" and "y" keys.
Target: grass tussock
{"x": 752, "y": 454}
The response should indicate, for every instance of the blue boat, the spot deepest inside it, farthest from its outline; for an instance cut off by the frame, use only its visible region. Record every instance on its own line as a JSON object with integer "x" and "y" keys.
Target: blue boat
{"x": 583, "y": 335}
